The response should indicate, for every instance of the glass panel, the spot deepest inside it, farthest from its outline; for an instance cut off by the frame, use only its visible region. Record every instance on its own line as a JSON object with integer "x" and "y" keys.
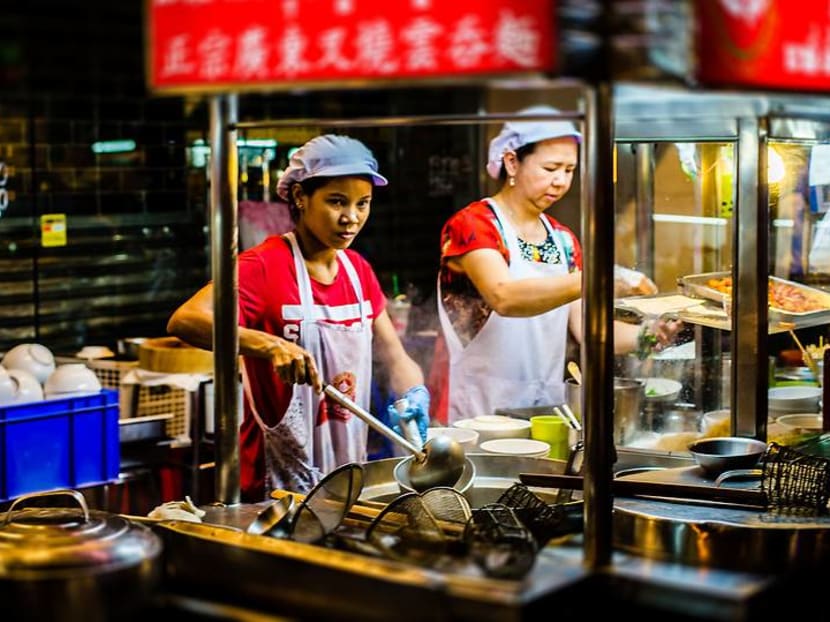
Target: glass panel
{"x": 799, "y": 252}
{"x": 674, "y": 207}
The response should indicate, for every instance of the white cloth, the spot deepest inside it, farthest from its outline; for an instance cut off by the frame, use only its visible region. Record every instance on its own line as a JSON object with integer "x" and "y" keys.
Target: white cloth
{"x": 188, "y": 382}
{"x": 315, "y": 436}
{"x": 513, "y": 362}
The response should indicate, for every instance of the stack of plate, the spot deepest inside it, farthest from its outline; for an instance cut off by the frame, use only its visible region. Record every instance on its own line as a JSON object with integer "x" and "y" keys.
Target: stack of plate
{"x": 495, "y": 426}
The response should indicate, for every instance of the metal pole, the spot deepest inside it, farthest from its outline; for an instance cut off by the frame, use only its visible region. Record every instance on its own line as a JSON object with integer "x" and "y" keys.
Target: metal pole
{"x": 597, "y": 315}
{"x": 644, "y": 155}
{"x": 751, "y": 265}
{"x": 224, "y": 250}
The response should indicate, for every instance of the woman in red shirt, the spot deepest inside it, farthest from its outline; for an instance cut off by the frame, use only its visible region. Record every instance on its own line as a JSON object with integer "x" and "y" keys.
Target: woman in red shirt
{"x": 310, "y": 311}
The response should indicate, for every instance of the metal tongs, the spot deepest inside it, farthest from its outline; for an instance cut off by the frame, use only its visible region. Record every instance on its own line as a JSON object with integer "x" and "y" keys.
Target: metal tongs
{"x": 573, "y": 464}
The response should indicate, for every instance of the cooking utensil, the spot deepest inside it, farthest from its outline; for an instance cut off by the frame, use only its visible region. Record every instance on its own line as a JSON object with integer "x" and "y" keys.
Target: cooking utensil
{"x": 71, "y": 563}
{"x": 725, "y": 453}
{"x": 275, "y": 516}
{"x": 573, "y": 370}
{"x": 677, "y": 491}
{"x": 568, "y": 415}
{"x": 463, "y": 484}
{"x": 128, "y": 348}
{"x": 441, "y": 463}
{"x": 326, "y": 505}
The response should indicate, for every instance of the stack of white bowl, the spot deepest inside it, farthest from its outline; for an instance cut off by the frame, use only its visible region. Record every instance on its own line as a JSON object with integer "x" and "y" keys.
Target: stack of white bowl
{"x": 28, "y": 373}
{"x": 490, "y": 427}
{"x": 25, "y": 368}
{"x": 792, "y": 400}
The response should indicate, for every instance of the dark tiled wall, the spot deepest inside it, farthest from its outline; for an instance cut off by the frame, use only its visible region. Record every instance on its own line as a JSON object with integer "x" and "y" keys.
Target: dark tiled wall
{"x": 72, "y": 75}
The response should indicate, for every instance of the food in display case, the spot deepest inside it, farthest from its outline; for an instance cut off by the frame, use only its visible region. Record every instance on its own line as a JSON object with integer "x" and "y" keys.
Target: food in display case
{"x": 783, "y": 295}
{"x": 789, "y": 301}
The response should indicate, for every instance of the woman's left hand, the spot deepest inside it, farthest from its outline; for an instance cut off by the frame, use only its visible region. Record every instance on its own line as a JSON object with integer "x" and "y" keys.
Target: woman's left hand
{"x": 665, "y": 331}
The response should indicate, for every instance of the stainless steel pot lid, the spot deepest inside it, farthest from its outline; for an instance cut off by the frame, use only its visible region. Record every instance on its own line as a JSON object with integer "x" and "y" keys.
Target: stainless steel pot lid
{"x": 39, "y": 542}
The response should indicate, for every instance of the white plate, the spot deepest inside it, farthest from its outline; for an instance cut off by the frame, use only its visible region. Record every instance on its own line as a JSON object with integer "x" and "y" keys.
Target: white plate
{"x": 526, "y": 447}
{"x": 801, "y": 421}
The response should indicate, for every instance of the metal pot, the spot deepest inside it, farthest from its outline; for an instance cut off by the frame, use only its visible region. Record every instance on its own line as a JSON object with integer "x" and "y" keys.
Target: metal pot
{"x": 128, "y": 348}
{"x": 629, "y": 395}
{"x": 63, "y": 564}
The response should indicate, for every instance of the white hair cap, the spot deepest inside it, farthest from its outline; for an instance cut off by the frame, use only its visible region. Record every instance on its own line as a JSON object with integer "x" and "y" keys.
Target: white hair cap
{"x": 516, "y": 134}
{"x": 330, "y": 155}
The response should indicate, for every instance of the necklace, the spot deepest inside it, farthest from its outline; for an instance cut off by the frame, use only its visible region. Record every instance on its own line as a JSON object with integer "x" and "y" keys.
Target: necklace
{"x": 530, "y": 229}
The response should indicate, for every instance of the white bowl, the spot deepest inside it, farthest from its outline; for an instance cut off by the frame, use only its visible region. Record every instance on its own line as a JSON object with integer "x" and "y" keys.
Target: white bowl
{"x": 798, "y": 399}
{"x": 8, "y": 387}
{"x": 495, "y": 426}
{"x": 804, "y": 422}
{"x": 466, "y": 437}
{"x": 28, "y": 387}
{"x": 525, "y": 447}
{"x": 71, "y": 379}
{"x": 661, "y": 389}
{"x": 95, "y": 352}
{"x": 31, "y": 357}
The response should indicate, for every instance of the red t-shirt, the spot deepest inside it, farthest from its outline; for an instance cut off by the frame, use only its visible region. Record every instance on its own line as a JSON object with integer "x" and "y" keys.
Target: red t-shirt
{"x": 472, "y": 228}
{"x": 269, "y": 301}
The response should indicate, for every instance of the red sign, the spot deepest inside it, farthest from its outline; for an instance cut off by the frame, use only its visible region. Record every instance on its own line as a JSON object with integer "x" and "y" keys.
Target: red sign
{"x": 779, "y": 44}
{"x": 231, "y": 44}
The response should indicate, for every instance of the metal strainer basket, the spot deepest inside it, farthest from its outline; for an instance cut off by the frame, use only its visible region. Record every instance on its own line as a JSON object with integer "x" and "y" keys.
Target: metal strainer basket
{"x": 326, "y": 505}
{"x": 795, "y": 482}
{"x": 499, "y": 542}
{"x": 543, "y": 520}
{"x": 419, "y": 528}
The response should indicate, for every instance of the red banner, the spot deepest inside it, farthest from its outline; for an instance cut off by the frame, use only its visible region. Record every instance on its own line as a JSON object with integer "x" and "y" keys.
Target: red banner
{"x": 779, "y": 44}
{"x": 213, "y": 44}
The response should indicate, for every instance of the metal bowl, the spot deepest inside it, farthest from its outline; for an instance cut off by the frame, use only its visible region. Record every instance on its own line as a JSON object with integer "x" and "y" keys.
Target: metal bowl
{"x": 725, "y": 453}
{"x": 462, "y": 485}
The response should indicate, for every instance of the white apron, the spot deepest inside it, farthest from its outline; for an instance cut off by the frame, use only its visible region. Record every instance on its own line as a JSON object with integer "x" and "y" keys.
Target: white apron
{"x": 316, "y": 435}
{"x": 513, "y": 362}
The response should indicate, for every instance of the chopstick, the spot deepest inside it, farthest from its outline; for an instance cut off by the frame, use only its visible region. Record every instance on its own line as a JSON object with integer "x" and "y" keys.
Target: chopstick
{"x": 806, "y": 356}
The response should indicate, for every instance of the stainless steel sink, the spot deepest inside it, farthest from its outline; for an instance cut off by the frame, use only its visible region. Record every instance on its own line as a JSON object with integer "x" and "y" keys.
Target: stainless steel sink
{"x": 494, "y": 475}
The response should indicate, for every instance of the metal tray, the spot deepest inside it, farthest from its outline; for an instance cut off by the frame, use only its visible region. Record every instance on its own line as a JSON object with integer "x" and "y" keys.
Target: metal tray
{"x": 143, "y": 428}
{"x": 696, "y": 285}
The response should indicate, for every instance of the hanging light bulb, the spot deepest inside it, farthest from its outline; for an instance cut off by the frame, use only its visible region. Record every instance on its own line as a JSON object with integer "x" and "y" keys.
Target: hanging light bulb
{"x": 775, "y": 166}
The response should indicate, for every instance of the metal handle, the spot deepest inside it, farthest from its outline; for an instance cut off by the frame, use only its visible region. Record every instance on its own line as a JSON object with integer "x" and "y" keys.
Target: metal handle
{"x": 49, "y": 493}
{"x": 378, "y": 426}
{"x": 629, "y": 488}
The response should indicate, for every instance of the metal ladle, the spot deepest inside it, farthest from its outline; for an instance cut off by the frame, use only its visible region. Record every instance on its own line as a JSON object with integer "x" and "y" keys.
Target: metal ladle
{"x": 441, "y": 462}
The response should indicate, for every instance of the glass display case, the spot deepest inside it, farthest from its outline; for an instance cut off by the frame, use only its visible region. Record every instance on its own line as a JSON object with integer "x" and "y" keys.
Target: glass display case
{"x": 713, "y": 190}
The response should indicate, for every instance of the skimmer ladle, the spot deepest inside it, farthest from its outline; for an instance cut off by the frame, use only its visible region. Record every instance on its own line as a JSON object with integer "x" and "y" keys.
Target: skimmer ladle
{"x": 440, "y": 463}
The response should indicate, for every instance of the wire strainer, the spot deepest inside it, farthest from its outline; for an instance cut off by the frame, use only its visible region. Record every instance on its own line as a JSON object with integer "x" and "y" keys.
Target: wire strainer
{"x": 499, "y": 543}
{"x": 405, "y": 530}
{"x": 544, "y": 521}
{"x": 326, "y": 505}
{"x": 420, "y": 528}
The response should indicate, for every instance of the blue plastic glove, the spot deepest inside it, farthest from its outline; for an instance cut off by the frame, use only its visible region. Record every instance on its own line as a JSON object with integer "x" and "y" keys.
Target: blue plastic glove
{"x": 416, "y": 407}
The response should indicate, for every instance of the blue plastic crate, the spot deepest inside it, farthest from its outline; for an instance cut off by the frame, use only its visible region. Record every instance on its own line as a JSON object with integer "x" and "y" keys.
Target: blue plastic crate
{"x": 59, "y": 443}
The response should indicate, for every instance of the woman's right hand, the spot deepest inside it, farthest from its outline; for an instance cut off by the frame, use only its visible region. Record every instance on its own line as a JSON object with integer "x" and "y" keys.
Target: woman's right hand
{"x": 294, "y": 365}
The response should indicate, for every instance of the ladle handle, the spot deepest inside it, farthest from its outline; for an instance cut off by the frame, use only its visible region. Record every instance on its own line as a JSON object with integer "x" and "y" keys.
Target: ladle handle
{"x": 373, "y": 422}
